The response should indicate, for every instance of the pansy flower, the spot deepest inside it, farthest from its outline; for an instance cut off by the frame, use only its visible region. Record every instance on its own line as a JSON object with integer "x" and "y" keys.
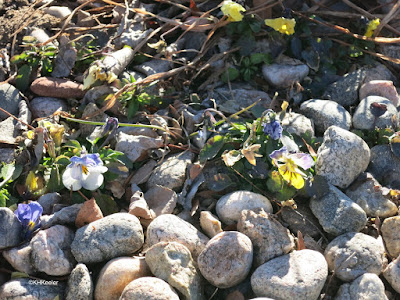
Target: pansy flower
{"x": 372, "y": 25}
{"x": 233, "y": 11}
{"x": 29, "y": 216}
{"x": 85, "y": 171}
{"x": 97, "y": 72}
{"x": 283, "y": 25}
{"x": 289, "y": 165}
{"x": 272, "y": 126}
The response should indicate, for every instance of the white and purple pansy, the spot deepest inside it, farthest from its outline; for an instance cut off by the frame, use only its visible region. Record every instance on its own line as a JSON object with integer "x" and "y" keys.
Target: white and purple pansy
{"x": 85, "y": 171}
{"x": 29, "y": 216}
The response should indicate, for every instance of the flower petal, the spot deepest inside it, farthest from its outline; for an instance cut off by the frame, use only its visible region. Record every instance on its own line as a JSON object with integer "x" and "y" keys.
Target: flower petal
{"x": 293, "y": 178}
{"x": 70, "y": 182}
{"x": 93, "y": 181}
{"x": 290, "y": 145}
{"x": 76, "y": 172}
{"x": 303, "y": 160}
{"x": 36, "y": 210}
{"x": 97, "y": 169}
{"x": 278, "y": 154}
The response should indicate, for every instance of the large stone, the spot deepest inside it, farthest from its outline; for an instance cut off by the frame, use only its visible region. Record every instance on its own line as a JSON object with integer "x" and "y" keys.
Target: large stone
{"x": 230, "y": 206}
{"x": 270, "y": 239}
{"x": 117, "y": 274}
{"x": 372, "y": 197}
{"x": 345, "y": 90}
{"x": 48, "y": 200}
{"x": 227, "y": 258}
{"x": 20, "y": 258}
{"x": 10, "y": 99}
{"x": 282, "y": 75}
{"x": 112, "y": 236}
{"x": 172, "y": 262}
{"x": 57, "y": 87}
{"x": 364, "y": 118}
{"x": 392, "y": 274}
{"x": 80, "y": 284}
{"x": 341, "y": 157}
{"x": 51, "y": 251}
{"x": 149, "y": 288}
{"x": 298, "y": 275}
{"x": 391, "y": 235}
{"x": 170, "y": 228}
{"x": 298, "y": 124}
{"x": 354, "y": 254}
{"x": 326, "y": 113}
{"x": 8, "y": 130}
{"x": 171, "y": 173}
{"x": 90, "y": 109}
{"x": 367, "y": 286}
{"x": 337, "y": 213}
{"x": 385, "y": 166}
{"x": 11, "y": 230}
{"x": 43, "y": 107}
{"x": 65, "y": 216}
{"x": 383, "y": 88}
{"x": 32, "y": 289}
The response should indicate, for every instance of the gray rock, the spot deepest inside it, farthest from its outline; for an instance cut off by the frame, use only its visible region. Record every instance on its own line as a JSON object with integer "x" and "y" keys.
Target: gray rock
{"x": 117, "y": 274}
{"x": 326, "y": 113}
{"x": 112, "y": 236}
{"x": 232, "y": 100}
{"x": 363, "y": 117}
{"x": 338, "y": 149}
{"x": 170, "y": 228}
{"x": 91, "y": 108}
{"x": 149, "y": 288}
{"x": 270, "y": 239}
{"x": 136, "y": 147}
{"x": 7, "y": 155}
{"x": 392, "y": 274}
{"x": 353, "y": 254}
{"x": 298, "y": 275}
{"x": 24, "y": 115}
{"x": 51, "y": 251}
{"x": 337, "y": 213}
{"x": 298, "y": 124}
{"x": 372, "y": 198}
{"x": 20, "y": 258}
{"x": 48, "y": 200}
{"x": 95, "y": 93}
{"x": 42, "y": 107}
{"x": 134, "y": 34}
{"x": 379, "y": 72}
{"x": 345, "y": 90}
{"x": 385, "y": 166}
{"x": 383, "y": 88}
{"x": 230, "y": 206}
{"x": 143, "y": 173}
{"x": 391, "y": 235}
{"x": 172, "y": 262}
{"x": 11, "y": 230}
{"x": 153, "y": 66}
{"x": 282, "y": 75}
{"x": 10, "y": 99}
{"x": 80, "y": 284}
{"x": 171, "y": 173}
{"x": 65, "y": 216}
{"x": 32, "y": 289}
{"x": 391, "y": 51}
{"x": 161, "y": 200}
{"x": 8, "y": 130}
{"x": 226, "y": 260}
{"x": 66, "y": 57}
{"x": 367, "y": 286}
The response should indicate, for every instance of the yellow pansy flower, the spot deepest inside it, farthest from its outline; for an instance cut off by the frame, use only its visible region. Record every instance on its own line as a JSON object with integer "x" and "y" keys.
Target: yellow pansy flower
{"x": 283, "y": 25}
{"x": 233, "y": 11}
{"x": 372, "y": 25}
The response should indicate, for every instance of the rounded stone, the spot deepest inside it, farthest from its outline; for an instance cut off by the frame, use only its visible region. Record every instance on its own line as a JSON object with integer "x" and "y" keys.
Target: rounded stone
{"x": 363, "y": 117}
{"x": 170, "y": 228}
{"x": 172, "y": 262}
{"x": 367, "y": 286}
{"x": 269, "y": 237}
{"x": 80, "y": 284}
{"x": 354, "y": 254}
{"x": 392, "y": 274}
{"x": 10, "y": 229}
{"x": 57, "y": 87}
{"x": 10, "y": 99}
{"x": 48, "y": 200}
{"x": 282, "y": 75}
{"x": 112, "y": 236}
{"x": 46, "y": 106}
{"x": 383, "y": 88}
{"x": 149, "y": 288}
{"x": 229, "y": 207}
{"x": 227, "y": 259}
{"x": 51, "y": 251}
{"x": 32, "y": 289}
{"x": 326, "y": 113}
{"x": 298, "y": 275}
{"x": 339, "y": 148}
{"x": 20, "y": 258}
{"x": 391, "y": 235}
{"x": 117, "y": 274}
{"x": 298, "y": 124}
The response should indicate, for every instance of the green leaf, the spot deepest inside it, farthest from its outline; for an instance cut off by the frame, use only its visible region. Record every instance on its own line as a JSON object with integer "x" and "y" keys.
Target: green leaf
{"x": 230, "y": 74}
{"x": 16, "y": 59}
{"x": 22, "y": 79}
{"x": 211, "y": 148}
{"x": 28, "y": 39}
{"x": 47, "y": 67}
{"x": 15, "y": 275}
{"x": 106, "y": 204}
{"x": 3, "y": 198}
{"x": 74, "y": 144}
{"x": 55, "y": 181}
{"x": 7, "y": 171}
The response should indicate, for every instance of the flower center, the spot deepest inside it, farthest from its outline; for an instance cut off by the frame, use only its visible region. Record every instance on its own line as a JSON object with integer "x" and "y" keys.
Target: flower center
{"x": 85, "y": 170}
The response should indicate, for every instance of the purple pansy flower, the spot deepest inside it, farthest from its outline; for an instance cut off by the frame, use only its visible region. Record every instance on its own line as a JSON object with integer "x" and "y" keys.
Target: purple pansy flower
{"x": 29, "y": 216}
{"x": 272, "y": 127}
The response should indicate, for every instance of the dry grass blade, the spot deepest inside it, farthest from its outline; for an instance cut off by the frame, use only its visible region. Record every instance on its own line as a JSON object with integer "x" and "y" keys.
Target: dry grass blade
{"x": 388, "y": 18}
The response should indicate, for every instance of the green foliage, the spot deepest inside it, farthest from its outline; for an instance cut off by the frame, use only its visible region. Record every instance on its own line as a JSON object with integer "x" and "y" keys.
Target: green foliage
{"x": 378, "y": 136}
{"x": 9, "y": 173}
{"x": 85, "y": 54}
{"x": 33, "y": 59}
